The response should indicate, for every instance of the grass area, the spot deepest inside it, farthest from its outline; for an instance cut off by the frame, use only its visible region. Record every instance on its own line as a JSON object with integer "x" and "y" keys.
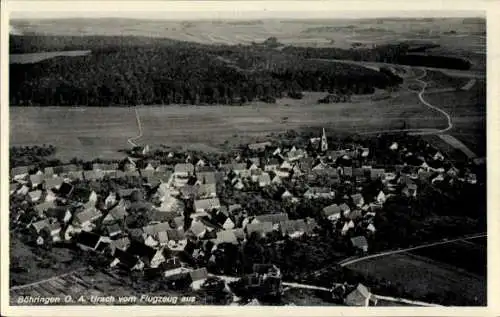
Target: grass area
{"x": 425, "y": 279}
{"x": 29, "y": 264}
{"x": 90, "y": 133}
{"x": 463, "y": 254}
{"x": 468, "y": 112}
{"x": 437, "y": 80}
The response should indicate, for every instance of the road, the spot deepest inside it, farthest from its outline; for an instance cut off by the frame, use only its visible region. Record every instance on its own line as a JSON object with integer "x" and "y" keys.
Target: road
{"x": 356, "y": 260}
{"x": 132, "y": 140}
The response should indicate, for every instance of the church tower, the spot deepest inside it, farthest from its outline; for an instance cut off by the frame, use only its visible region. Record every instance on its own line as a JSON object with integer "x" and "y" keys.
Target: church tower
{"x": 324, "y": 143}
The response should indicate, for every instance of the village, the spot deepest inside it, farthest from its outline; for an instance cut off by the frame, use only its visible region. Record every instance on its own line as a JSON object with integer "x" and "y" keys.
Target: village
{"x": 185, "y": 217}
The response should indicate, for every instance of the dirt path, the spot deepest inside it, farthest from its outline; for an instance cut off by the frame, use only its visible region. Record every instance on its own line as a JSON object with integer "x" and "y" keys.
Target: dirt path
{"x": 132, "y": 140}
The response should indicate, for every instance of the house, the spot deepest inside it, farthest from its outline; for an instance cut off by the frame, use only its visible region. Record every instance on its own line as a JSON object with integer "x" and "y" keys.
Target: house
{"x": 260, "y": 228}
{"x": 259, "y": 146}
{"x": 65, "y": 190}
{"x": 19, "y": 172}
{"x": 206, "y": 178}
{"x": 282, "y": 173}
{"x": 204, "y": 205}
{"x": 197, "y": 277}
{"x": 371, "y": 228}
{"x": 264, "y": 179}
{"x": 197, "y": 229}
{"x": 358, "y": 200}
{"x": 225, "y": 236}
{"x": 35, "y": 196}
{"x": 163, "y": 216}
{"x": 345, "y": 209}
{"x": 360, "y": 243}
{"x": 276, "y": 180}
{"x": 347, "y": 170}
{"x": 306, "y": 164}
{"x": 126, "y": 260}
{"x": 360, "y": 296}
{"x": 377, "y": 173}
{"x": 183, "y": 169}
{"x": 93, "y": 175}
{"x": 117, "y": 213}
{"x": 332, "y": 212}
{"x": 272, "y": 218}
{"x": 148, "y": 171}
{"x": 295, "y": 155}
{"x": 294, "y": 228}
{"x": 205, "y": 191}
{"x": 319, "y": 192}
{"x": 348, "y": 225}
{"x": 90, "y": 241}
{"x": 38, "y": 226}
{"x": 24, "y": 190}
{"x": 121, "y": 244}
{"x": 224, "y": 220}
{"x": 286, "y": 166}
{"x": 85, "y": 218}
{"x": 61, "y": 213}
{"x": 113, "y": 230}
{"x": 236, "y": 168}
{"x": 42, "y": 208}
{"x": 381, "y": 197}
{"x": 272, "y": 165}
{"x": 238, "y": 184}
{"x": 356, "y": 214}
{"x": 410, "y": 190}
{"x": 175, "y": 239}
{"x": 53, "y": 182}
{"x": 149, "y": 256}
{"x": 74, "y": 175}
{"x": 286, "y": 195}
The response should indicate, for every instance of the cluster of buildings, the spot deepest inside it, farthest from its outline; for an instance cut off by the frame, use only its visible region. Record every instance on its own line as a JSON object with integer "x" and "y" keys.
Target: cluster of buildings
{"x": 186, "y": 218}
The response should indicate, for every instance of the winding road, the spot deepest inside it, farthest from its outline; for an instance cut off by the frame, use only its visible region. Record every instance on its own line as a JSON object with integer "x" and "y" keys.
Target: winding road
{"x": 132, "y": 140}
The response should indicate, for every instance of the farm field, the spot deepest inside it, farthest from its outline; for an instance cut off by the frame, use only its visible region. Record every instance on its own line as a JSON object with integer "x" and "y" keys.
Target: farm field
{"x": 90, "y": 133}
{"x": 425, "y": 279}
{"x": 468, "y": 112}
{"x": 466, "y": 255}
{"x": 320, "y": 33}
{"x": 86, "y": 133}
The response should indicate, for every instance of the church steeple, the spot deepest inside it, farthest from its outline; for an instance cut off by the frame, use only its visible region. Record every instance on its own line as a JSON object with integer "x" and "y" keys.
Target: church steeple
{"x": 324, "y": 143}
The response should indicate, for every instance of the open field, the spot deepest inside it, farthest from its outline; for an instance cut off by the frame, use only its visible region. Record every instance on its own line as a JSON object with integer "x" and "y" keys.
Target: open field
{"x": 77, "y": 132}
{"x": 468, "y": 111}
{"x": 89, "y": 133}
{"x": 27, "y": 266}
{"x": 30, "y": 58}
{"x": 425, "y": 278}
{"x": 320, "y": 33}
{"x": 466, "y": 255}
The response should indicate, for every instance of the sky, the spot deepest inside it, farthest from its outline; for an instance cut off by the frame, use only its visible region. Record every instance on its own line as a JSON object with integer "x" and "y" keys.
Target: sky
{"x": 174, "y": 10}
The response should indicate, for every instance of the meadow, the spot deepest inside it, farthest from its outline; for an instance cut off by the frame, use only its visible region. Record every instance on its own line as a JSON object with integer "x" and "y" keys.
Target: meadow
{"x": 423, "y": 278}
{"x": 94, "y": 132}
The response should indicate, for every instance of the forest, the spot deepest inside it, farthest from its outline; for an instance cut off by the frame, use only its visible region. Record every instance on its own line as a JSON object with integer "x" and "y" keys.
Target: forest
{"x": 129, "y": 71}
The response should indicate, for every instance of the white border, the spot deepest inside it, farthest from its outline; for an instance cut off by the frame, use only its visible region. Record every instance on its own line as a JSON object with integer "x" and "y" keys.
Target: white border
{"x": 247, "y": 10}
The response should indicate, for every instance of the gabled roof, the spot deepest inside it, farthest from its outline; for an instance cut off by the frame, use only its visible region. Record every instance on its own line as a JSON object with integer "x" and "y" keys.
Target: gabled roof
{"x": 19, "y": 170}
{"x": 175, "y": 234}
{"x": 127, "y": 259}
{"x": 331, "y": 210}
{"x": 36, "y": 178}
{"x": 261, "y": 227}
{"x": 163, "y": 216}
{"x": 198, "y": 274}
{"x": 39, "y": 225}
{"x": 206, "y": 189}
{"x": 234, "y": 207}
{"x": 259, "y": 146}
{"x": 264, "y": 178}
{"x": 344, "y": 207}
{"x": 88, "y": 239}
{"x": 141, "y": 250}
{"x": 226, "y": 236}
{"x": 87, "y": 215}
{"x": 207, "y": 204}
{"x": 152, "y": 230}
{"x": 184, "y": 168}
{"x": 291, "y": 226}
{"x": 53, "y": 182}
{"x": 357, "y": 198}
{"x": 272, "y": 218}
{"x": 206, "y": 177}
{"x": 359, "y": 242}
{"x": 43, "y": 207}
{"x": 197, "y": 228}
{"x": 34, "y": 195}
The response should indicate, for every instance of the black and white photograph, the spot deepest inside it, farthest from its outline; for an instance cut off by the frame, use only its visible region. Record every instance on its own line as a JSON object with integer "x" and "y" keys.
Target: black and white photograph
{"x": 260, "y": 158}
